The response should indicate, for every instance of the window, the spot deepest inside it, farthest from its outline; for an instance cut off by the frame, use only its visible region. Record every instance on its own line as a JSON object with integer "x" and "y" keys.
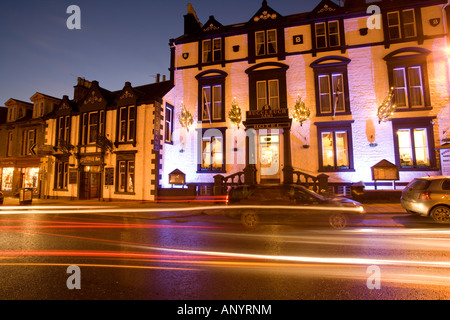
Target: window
{"x": 408, "y": 87}
{"x": 266, "y": 42}
{"x": 408, "y": 78}
{"x": 127, "y": 124}
{"x": 212, "y": 102}
{"x": 331, "y": 93}
{"x": 212, "y": 144}
{"x": 332, "y": 96}
{"x": 125, "y": 176}
{"x": 93, "y": 126}
{"x": 10, "y": 144}
{"x": 401, "y": 24}
{"x": 211, "y": 95}
{"x": 168, "y": 129}
{"x": 267, "y": 92}
{"x": 335, "y": 151}
{"x": 212, "y": 50}
{"x": 63, "y": 133}
{"x": 327, "y": 34}
{"x": 28, "y": 141}
{"x": 414, "y": 143}
{"x": 62, "y": 174}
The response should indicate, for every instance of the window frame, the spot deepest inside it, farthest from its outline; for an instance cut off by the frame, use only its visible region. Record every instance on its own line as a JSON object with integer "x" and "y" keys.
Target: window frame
{"x": 169, "y": 124}
{"x": 266, "y": 42}
{"x": 416, "y": 57}
{"x": 411, "y": 124}
{"x": 201, "y": 138}
{"x": 130, "y": 113}
{"x": 323, "y": 68}
{"x": 61, "y": 182}
{"x": 211, "y": 78}
{"x": 335, "y": 127}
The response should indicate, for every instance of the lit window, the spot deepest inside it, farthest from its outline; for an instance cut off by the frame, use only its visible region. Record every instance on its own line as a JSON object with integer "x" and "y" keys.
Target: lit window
{"x": 125, "y": 176}
{"x": 413, "y": 148}
{"x": 211, "y": 156}
{"x": 335, "y": 146}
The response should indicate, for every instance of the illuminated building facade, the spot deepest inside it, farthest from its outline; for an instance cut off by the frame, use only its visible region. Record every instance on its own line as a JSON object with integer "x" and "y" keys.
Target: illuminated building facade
{"x": 106, "y": 144}
{"x": 21, "y": 132}
{"x": 309, "y": 87}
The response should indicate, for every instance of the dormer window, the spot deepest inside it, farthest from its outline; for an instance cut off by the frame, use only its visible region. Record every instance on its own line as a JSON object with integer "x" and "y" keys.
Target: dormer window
{"x": 401, "y": 24}
{"x": 327, "y": 34}
{"x": 266, "y": 42}
{"x": 212, "y": 50}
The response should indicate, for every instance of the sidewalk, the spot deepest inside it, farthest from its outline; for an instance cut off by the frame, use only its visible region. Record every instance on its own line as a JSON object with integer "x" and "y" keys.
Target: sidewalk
{"x": 370, "y": 208}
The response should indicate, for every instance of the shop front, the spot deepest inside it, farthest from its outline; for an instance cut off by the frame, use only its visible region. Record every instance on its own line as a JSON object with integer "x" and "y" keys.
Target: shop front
{"x": 19, "y": 173}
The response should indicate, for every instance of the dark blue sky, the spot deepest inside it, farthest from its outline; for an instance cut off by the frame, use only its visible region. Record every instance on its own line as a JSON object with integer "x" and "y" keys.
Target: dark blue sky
{"x": 119, "y": 41}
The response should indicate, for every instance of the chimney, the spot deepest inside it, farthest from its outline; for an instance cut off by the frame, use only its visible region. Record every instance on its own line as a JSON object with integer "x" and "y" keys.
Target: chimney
{"x": 81, "y": 89}
{"x": 164, "y": 78}
{"x": 158, "y": 77}
{"x": 191, "y": 22}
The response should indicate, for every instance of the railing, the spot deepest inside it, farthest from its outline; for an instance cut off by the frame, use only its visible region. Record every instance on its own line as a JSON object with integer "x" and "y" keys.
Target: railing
{"x": 318, "y": 184}
{"x": 221, "y": 183}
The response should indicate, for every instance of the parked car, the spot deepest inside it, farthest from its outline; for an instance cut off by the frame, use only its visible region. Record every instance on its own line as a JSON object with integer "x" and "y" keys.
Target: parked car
{"x": 262, "y": 203}
{"x": 428, "y": 196}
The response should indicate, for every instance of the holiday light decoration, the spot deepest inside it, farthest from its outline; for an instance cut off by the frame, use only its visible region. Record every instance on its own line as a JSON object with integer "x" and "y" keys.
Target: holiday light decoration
{"x": 387, "y": 108}
{"x": 235, "y": 114}
{"x": 301, "y": 111}
{"x": 185, "y": 118}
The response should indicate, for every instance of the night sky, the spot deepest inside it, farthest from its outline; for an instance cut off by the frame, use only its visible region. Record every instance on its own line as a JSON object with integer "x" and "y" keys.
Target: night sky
{"x": 119, "y": 41}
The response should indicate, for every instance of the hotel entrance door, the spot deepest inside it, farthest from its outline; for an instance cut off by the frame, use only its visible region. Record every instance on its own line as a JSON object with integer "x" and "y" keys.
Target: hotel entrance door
{"x": 269, "y": 156}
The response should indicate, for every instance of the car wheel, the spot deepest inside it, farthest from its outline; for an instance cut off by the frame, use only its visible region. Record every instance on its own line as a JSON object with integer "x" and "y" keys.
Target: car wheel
{"x": 441, "y": 214}
{"x": 249, "y": 219}
{"x": 338, "y": 221}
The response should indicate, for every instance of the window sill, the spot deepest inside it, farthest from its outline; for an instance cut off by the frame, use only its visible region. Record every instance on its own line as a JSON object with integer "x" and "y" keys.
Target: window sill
{"x": 419, "y": 169}
{"x": 64, "y": 190}
{"x": 347, "y": 113}
{"x": 211, "y": 171}
{"x": 407, "y": 109}
{"x": 125, "y": 193}
{"x": 335, "y": 170}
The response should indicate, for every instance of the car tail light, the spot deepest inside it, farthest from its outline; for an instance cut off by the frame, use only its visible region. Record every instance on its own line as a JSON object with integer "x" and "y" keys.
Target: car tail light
{"x": 425, "y": 195}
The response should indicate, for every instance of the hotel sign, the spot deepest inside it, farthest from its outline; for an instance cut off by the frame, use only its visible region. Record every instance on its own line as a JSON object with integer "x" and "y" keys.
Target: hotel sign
{"x": 267, "y": 112}
{"x": 268, "y": 118}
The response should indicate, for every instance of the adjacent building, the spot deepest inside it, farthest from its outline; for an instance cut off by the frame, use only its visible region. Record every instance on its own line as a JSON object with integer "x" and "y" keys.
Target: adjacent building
{"x": 311, "y": 88}
{"x": 106, "y": 144}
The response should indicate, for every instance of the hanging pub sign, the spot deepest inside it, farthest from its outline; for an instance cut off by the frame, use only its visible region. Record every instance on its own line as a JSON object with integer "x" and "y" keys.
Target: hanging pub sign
{"x": 109, "y": 176}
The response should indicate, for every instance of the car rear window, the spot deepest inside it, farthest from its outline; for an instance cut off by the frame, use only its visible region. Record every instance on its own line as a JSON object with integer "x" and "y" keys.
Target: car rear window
{"x": 446, "y": 185}
{"x": 419, "y": 184}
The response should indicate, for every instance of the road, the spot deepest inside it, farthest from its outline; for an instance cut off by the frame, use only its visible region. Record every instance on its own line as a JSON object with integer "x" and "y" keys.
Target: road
{"x": 128, "y": 255}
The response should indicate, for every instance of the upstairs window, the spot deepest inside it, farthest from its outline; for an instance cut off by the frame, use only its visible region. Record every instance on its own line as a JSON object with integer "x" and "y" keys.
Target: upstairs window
{"x": 266, "y": 42}
{"x": 212, "y": 102}
{"x": 63, "y": 133}
{"x": 268, "y": 92}
{"x": 401, "y": 24}
{"x": 327, "y": 34}
{"x": 212, "y": 50}
{"x": 127, "y": 123}
{"x": 408, "y": 86}
{"x": 168, "y": 129}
